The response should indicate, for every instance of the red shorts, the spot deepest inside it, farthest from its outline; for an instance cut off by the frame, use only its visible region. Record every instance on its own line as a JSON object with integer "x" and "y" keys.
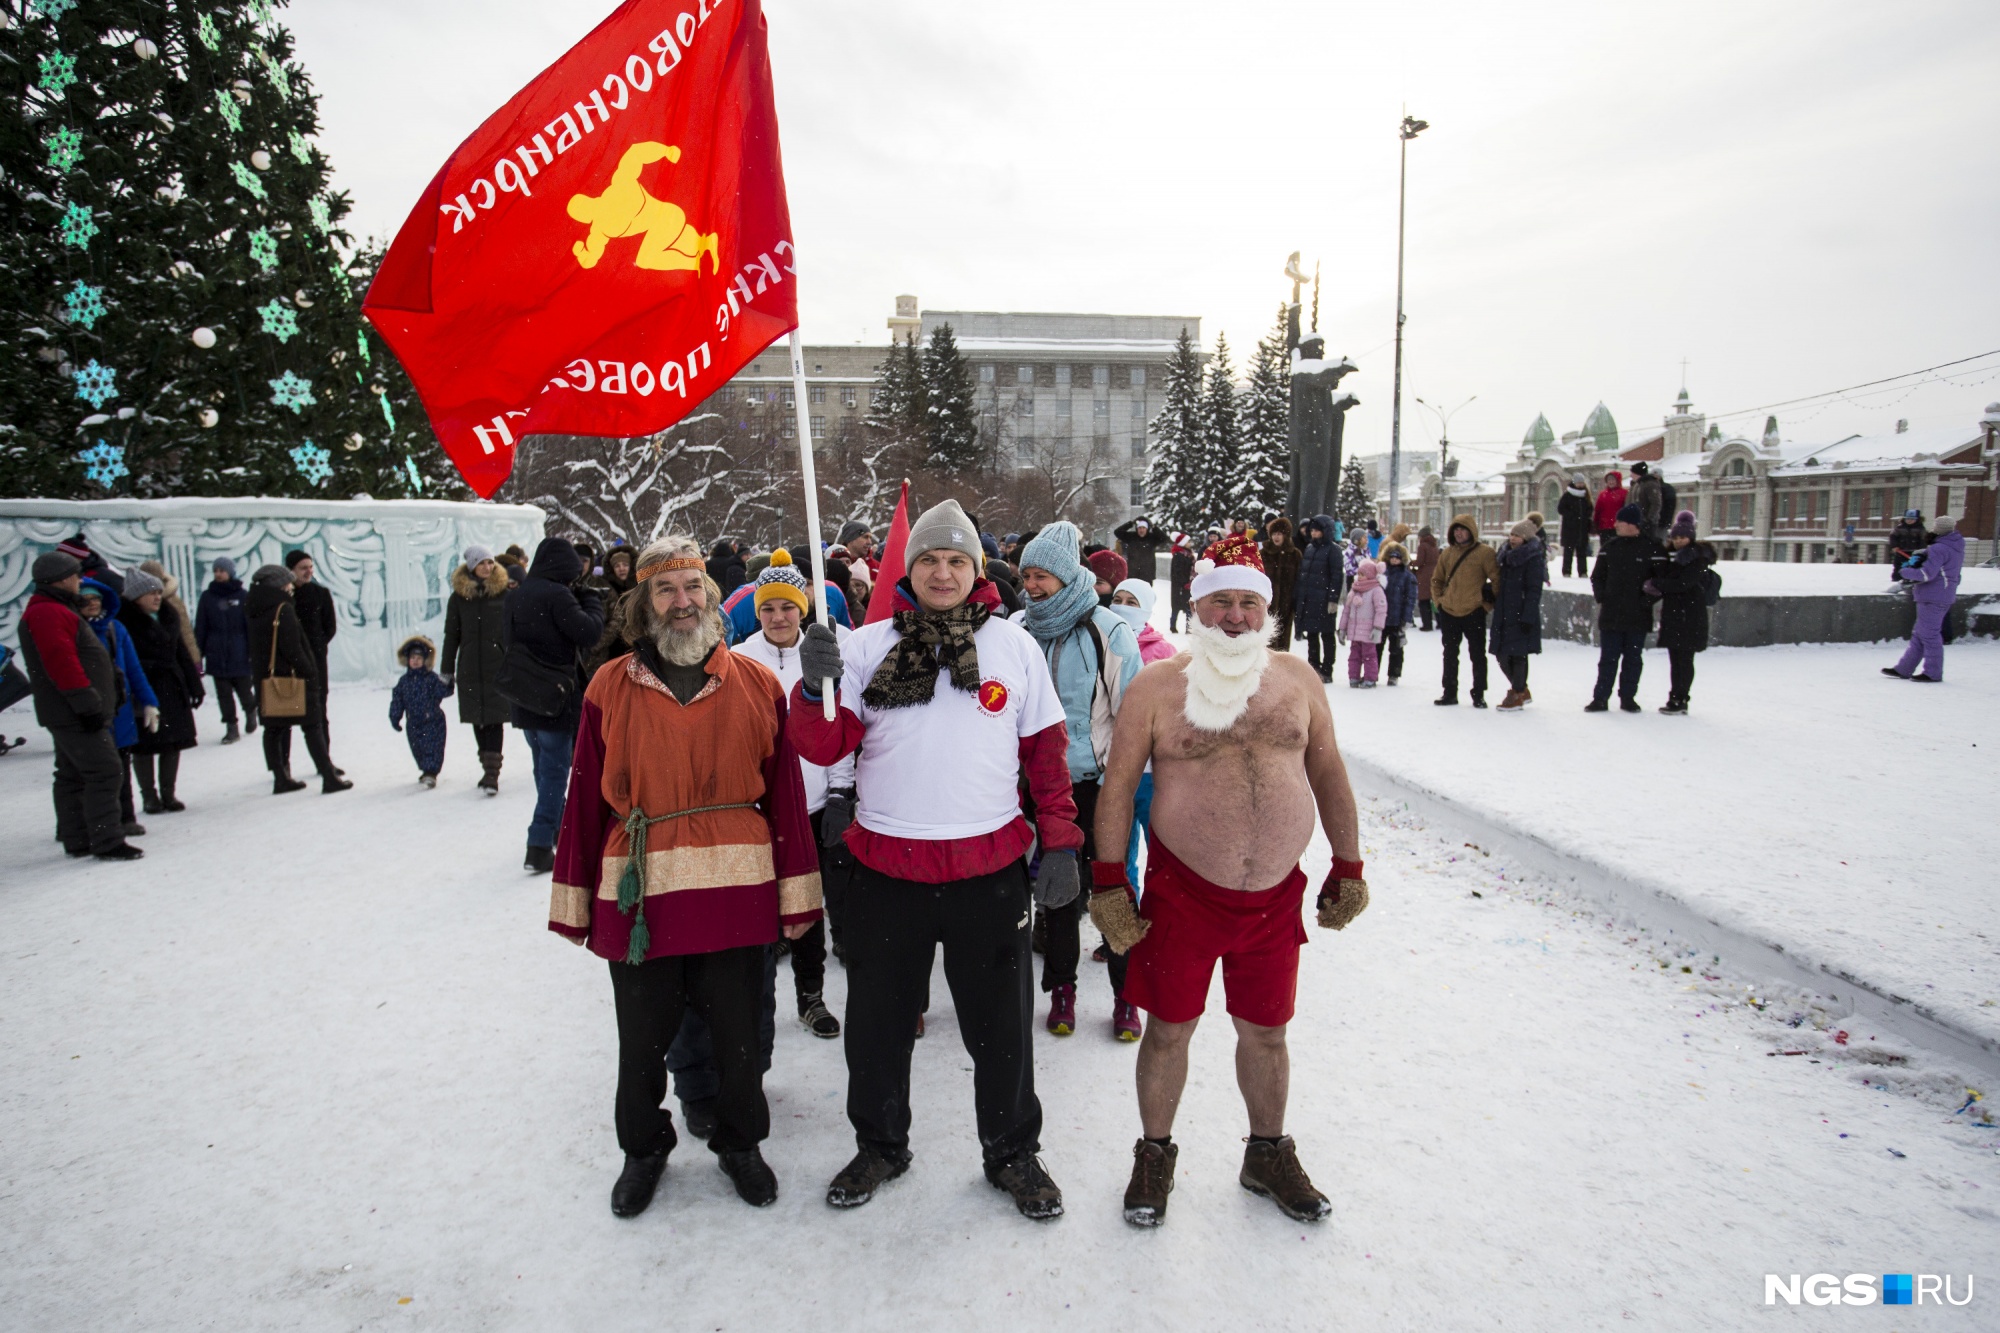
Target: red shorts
{"x": 1255, "y": 935}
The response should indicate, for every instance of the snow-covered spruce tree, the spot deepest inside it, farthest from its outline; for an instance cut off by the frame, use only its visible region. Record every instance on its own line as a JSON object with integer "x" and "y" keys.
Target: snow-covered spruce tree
{"x": 1174, "y": 483}
{"x": 1222, "y": 440}
{"x": 1263, "y": 476}
{"x": 182, "y": 317}
{"x": 1352, "y": 504}
{"x": 897, "y": 403}
{"x": 951, "y": 423}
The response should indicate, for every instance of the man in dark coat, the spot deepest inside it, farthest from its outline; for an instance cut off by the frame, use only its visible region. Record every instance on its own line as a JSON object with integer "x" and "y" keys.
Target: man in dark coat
{"x": 725, "y": 566}
{"x": 1681, "y": 579}
{"x": 1649, "y": 493}
{"x": 155, "y": 629}
{"x": 475, "y": 643}
{"x": 76, "y": 693}
{"x": 319, "y": 622}
{"x": 1517, "y": 610}
{"x": 1180, "y": 577}
{"x": 1625, "y": 611}
{"x": 1575, "y": 517}
{"x": 278, "y": 647}
{"x": 1908, "y": 538}
{"x": 1141, "y": 543}
{"x": 222, "y": 634}
{"x": 1424, "y": 564}
{"x": 555, "y": 618}
{"x": 1315, "y": 602}
{"x": 1281, "y": 562}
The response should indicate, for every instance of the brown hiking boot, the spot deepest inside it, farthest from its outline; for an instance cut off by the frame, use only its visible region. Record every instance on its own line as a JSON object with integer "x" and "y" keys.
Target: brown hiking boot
{"x": 1152, "y": 1182}
{"x": 1273, "y": 1170}
{"x": 1025, "y": 1178}
{"x": 1512, "y": 703}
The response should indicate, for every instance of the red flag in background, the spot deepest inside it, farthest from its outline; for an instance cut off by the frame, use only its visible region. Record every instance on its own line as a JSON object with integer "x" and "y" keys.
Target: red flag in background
{"x": 882, "y": 604}
{"x": 606, "y": 250}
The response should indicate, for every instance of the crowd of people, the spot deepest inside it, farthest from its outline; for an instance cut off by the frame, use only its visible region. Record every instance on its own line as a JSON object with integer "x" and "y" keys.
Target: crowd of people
{"x": 723, "y": 780}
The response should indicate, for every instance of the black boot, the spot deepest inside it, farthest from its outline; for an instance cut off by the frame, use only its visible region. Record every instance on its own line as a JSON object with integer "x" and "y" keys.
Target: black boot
{"x": 755, "y": 1182}
{"x": 636, "y": 1184}
{"x": 541, "y": 860}
{"x": 698, "y": 1118}
{"x": 282, "y": 781}
{"x": 232, "y": 735}
{"x": 332, "y": 783}
{"x": 859, "y": 1179}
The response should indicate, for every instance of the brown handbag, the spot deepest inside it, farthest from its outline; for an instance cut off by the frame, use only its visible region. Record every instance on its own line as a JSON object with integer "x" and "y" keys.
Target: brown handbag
{"x": 280, "y": 696}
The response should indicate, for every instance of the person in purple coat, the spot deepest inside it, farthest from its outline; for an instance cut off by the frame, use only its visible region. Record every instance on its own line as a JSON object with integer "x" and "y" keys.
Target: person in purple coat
{"x": 1934, "y": 572}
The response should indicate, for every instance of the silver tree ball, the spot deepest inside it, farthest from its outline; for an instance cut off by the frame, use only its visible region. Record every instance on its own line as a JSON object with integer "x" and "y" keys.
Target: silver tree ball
{"x": 261, "y": 160}
{"x": 209, "y": 416}
{"x": 301, "y": 300}
{"x": 144, "y": 49}
{"x": 354, "y": 443}
{"x": 242, "y": 95}
{"x": 203, "y": 337}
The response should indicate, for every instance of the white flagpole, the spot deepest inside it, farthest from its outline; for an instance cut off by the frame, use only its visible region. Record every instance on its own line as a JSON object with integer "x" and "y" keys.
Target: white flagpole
{"x": 812, "y": 504}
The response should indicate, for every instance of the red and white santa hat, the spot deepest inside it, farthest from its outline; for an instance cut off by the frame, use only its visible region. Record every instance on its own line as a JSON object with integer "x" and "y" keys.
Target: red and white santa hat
{"x": 1232, "y": 564}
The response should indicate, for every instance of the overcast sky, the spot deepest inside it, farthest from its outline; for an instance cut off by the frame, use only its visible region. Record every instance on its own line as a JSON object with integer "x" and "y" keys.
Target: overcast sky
{"x": 1795, "y": 197}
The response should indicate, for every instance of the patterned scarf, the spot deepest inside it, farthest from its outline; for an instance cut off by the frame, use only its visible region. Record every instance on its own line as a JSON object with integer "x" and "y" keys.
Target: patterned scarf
{"x": 907, "y": 677}
{"x": 1059, "y": 613}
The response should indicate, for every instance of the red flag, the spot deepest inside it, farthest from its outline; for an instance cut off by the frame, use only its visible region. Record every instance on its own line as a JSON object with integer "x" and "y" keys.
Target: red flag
{"x": 882, "y": 604}
{"x": 606, "y": 250}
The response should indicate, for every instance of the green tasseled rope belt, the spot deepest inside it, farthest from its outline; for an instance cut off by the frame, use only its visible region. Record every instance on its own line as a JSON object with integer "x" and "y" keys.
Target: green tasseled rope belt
{"x": 632, "y": 884}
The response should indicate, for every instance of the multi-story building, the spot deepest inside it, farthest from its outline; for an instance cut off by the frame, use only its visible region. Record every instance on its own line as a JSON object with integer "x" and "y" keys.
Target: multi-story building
{"x": 1756, "y": 499}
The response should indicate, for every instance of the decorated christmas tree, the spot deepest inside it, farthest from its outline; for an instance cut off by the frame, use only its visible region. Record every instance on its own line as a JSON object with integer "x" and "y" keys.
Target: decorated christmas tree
{"x": 181, "y": 304}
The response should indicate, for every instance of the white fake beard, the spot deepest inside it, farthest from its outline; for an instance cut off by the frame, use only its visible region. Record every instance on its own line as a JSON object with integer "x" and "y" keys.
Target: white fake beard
{"x": 689, "y": 647}
{"x": 1222, "y": 675}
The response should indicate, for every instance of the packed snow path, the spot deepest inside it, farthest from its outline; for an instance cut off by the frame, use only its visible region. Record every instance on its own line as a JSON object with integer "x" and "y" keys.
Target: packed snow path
{"x": 315, "y": 1063}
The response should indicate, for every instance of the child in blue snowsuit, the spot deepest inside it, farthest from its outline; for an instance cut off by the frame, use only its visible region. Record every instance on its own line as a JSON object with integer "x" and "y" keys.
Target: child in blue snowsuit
{"x": 419, "y": 697}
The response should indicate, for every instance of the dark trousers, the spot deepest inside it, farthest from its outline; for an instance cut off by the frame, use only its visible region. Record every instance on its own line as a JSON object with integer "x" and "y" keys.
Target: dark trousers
{"x": 1392, "y": 644}
{"x": 1321, "y": 650}
{"x": 158, "y": 772}
{"x": 489, "y": 737}
{"x": 1281, "y": 633}
{"x": 88, "y": 770}
{"x": 1471, "y": 631}
{"x": 125, "y": 810}
{"x": 691, "y": 1058}
{"x": 1514, "y": 667}
{"x": 1581, "y": 554}
{"x": 1063, "y": 949}
{"x": 278, "y": 745}
{"x": 1680, "y": 673}
{"x": 229, "y": 690}
{"x": 316, "y": 715}
{"x": 1424, "y": 609}
{"x": 652, "y": 998}
{"x": 894, "y": 928}
{"x": 552, "y": 751}
{"x": 1619, "y": 659}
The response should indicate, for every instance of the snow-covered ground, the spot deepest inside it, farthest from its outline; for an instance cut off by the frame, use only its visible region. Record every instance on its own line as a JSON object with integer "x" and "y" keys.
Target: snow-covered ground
{"x": 315, "y": 1063}
{"x": 1770, "y": 578}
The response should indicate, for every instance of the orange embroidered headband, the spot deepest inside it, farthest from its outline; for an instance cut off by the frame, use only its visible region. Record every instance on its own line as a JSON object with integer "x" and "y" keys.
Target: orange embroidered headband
{"x": 669, "y": 566}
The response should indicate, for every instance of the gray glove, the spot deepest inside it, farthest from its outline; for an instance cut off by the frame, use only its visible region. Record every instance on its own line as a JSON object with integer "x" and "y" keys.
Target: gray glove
{"x": 819, "y": 658}
{"x": 1057, "y": 884}
{"x": 835, "y": 816}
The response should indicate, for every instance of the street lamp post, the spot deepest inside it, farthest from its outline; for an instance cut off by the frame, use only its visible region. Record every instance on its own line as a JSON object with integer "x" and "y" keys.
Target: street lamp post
{"x": 1411, "y": 128}
{"x": 1444, "y": 416}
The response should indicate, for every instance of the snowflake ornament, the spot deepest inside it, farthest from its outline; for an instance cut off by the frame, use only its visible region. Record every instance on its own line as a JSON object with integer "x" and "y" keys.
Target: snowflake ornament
{"x": 65, "y": 149}
{"x": 106, "y": 463}
{"x": 84, "y": 303}
{"x": 264, "y": 249}
{"x": 205, "y": 29}
{"x": 279, "y": 321}
{"x": 260, "y": 11}
{"x": 301, "y": 149}
{"x": 78, "y": 226}
{"x": 247, "y": 179}
{"x": 288, "y": 390}
{"x": 387, "y": 415}
{"x": 58, "y": 72}
{"x": 313, "y": 463}
{"x": 322, "y": 214}
{"x": 341, "y": 279}
{"x": 53, "y": 10}
{"x": 416, "y": 482}
{"x": 232, "y": 114}
{"x": 361, "y": 341}
{"x": 96, "y": 384}
{"x": 275, "y": 72}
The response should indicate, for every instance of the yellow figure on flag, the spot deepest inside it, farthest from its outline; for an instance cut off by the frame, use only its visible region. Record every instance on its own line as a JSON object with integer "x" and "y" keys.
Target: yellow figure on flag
{"x": 667, "y": 239}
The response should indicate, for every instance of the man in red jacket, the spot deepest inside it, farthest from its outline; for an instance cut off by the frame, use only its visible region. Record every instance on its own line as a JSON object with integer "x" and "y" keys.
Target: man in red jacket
{"x": 1609, "y": 501}
{"x": 947, "y": 705}
{"x": 76, "y": 693}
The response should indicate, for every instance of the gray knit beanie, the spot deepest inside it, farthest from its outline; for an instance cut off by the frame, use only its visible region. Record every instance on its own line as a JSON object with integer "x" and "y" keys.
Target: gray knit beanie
{"x": 476, "y": 553}
{"x": 138, "y": 583}
{"x": 55, "y": 566}
{"x": 1056, "y": 548}
{"x": 272, "y": 576}
{"x": 1942, "y": 524}
{"x": 943, "y": 527}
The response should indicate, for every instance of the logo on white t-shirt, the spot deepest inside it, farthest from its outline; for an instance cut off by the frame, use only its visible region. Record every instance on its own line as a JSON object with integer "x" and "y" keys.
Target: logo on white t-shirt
{"x": 992, "y": 697}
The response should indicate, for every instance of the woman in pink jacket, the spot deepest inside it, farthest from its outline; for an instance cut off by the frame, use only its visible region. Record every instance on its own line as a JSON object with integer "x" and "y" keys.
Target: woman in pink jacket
{"x": 1134, "y": 599}
{"x": 1362, "y": 617}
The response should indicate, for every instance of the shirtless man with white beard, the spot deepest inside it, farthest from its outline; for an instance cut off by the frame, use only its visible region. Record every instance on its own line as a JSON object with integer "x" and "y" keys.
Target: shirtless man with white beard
{"x": 1243, "y": 756}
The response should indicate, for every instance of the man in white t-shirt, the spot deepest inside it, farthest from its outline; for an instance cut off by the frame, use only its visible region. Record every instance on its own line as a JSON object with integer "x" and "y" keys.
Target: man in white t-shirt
{"x": 948, "y": 706}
